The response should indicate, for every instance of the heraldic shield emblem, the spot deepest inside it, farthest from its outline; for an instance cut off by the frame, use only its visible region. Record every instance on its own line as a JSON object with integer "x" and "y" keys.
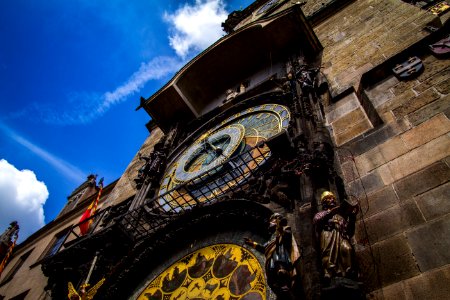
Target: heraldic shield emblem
{"x": 442, "y": 47}
{"x": 410, "y": 68}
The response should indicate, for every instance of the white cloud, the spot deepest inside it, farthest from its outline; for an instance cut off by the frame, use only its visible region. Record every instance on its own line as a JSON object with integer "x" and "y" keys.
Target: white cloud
{"x": 196, "y": 27}
{"x": 86, "y": 107}
{"x": 155, "y": 69}
{"x": 64, "y": 168}
{"x": 22, "y": 197}
{"x": 193, "y": 28}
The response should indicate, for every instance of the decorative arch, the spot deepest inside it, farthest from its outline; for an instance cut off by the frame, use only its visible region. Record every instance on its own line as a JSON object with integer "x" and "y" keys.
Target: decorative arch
{"x": 222, "y": 223}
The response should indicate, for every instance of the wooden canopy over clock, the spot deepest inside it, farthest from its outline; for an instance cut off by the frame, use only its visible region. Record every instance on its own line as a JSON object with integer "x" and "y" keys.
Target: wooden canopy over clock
{"x": 188, "y": 95}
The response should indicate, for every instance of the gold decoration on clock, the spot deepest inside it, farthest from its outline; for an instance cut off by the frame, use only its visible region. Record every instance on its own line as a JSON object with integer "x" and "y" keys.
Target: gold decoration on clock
{"x": 221, "y": 271}
{"x": 222, "y": 157}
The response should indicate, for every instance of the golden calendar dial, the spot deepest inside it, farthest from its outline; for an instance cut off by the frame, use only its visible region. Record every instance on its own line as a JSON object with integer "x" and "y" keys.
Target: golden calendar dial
{"x": 220, "y": 271}
{"x": 226, "y": 153}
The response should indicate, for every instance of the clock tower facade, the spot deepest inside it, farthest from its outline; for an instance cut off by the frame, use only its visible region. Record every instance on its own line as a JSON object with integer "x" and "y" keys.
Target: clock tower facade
{"x": 278, "y": 163}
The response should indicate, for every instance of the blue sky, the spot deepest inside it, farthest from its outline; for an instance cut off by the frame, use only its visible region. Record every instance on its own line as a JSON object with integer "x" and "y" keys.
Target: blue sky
{"x": 71, "y": 74}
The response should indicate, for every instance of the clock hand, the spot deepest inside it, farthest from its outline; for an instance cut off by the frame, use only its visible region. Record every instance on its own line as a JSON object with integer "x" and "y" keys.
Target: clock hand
{"x": 210, "y": 147}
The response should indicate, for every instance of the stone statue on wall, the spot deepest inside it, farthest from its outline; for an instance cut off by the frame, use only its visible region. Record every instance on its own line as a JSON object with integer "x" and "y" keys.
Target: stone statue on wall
{"x": 153, "y": 166}
{"x": 281, "y": 254}
{"x": 7, "y": 236}
{"x": 335, "y": 226}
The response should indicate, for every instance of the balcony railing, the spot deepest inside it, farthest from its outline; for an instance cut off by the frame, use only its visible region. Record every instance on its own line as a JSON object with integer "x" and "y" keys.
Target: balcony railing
{"x": 75, "y": 232}
{"x": 209, "y": 187}
{"x": 205, "y": 189}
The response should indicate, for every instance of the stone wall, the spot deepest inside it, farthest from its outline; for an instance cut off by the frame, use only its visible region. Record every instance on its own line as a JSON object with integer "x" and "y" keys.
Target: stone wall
{"x": 399, "y": 166}
{"x": 365, "y": 34}
{"x": 126, "y": 187}
{"x": 400, "y": 172}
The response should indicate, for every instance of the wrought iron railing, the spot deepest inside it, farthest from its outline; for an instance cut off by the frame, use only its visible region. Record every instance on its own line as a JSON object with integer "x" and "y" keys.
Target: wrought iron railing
{"x": 205, "y": 189}
{"x": 209, "y": 187}
{"x": 89, "y": 225}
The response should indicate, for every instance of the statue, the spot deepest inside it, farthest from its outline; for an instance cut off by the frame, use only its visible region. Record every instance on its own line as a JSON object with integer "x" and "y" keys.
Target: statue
{"x": 230, "y": 95}
{"x": 84, "y": 294}
{"x": 281, "y": 254}
{"x": 335, "y": 225}
{"x": 9, "y": 233}
{"x": 153, "y": 166}
{"x": 7, "y": 243}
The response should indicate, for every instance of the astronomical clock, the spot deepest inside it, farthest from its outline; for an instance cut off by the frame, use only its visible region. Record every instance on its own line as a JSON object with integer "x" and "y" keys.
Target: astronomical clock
{"x": 222, "y": 157}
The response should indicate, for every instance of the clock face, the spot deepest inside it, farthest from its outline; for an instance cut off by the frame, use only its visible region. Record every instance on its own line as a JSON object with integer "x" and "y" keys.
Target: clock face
{"x": 222, "y": 157}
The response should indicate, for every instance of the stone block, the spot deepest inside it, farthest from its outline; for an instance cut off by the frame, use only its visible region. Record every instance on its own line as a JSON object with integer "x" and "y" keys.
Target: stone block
{"x": 397, "y": 101}
{"x": 389, "y": 262}
{"x": 342, "y": 107}
{"x": 430, "y": 285}
{"x": 348, "y": 120}
{"x": 393, "y": 220}
{"x": 422, "y": 181}
{"x": 419, "y": 158}
{"x": 381, "y": 154}
{"x": 425, "y": 132}
{"x": 433, "y": 66}
{"x": 369, "y": 161}
{"x": 402, "y": 86}
{"x": 372, "y": 182}
{"x": 378, "y": 201}
{"x": 386, "y": 174}
{"x": 380, "y": 93}
{"x": 435, "y": 203}
{"x": 394, "y": 291}
{"x": 430, "y": 110}
{"x": 439, "y": 79}
{"x": 423, "y": 99}
{"x": 358, "y": 129}
{"x": 349, "y": 171}
{"x": 378, "y": 136}
{"x": 430, "y": 244}
{"x": 347, "y": 78}
{"x": 444, "y": 86}
{"x": 356, "y": 189}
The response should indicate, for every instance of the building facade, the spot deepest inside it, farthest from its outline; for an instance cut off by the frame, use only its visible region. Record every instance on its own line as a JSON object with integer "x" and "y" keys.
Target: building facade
{"x": 328, "y": 120}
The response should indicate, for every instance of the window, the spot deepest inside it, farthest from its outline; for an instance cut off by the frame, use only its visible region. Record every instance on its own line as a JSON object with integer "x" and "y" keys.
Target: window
{"x": 16, "y": 268}
{"x": 58, "y": 241}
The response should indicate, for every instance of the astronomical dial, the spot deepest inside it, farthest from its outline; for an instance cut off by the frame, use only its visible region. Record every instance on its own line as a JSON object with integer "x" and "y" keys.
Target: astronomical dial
{"x": 222, "y": 157}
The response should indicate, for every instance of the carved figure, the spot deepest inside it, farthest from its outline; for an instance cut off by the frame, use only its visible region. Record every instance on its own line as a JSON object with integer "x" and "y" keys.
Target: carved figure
{"x": 153, "y": 165}
{"x": 7, "y": 236}
{"x": 230, "y": 95}
{"x": 281, "y": 253}
{"x": 84, "y": 294}
{"x": 335, "y": 225}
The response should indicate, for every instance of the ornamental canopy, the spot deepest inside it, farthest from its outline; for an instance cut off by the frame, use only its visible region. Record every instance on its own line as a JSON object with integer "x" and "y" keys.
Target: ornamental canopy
{"x": 229, "y": 61}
